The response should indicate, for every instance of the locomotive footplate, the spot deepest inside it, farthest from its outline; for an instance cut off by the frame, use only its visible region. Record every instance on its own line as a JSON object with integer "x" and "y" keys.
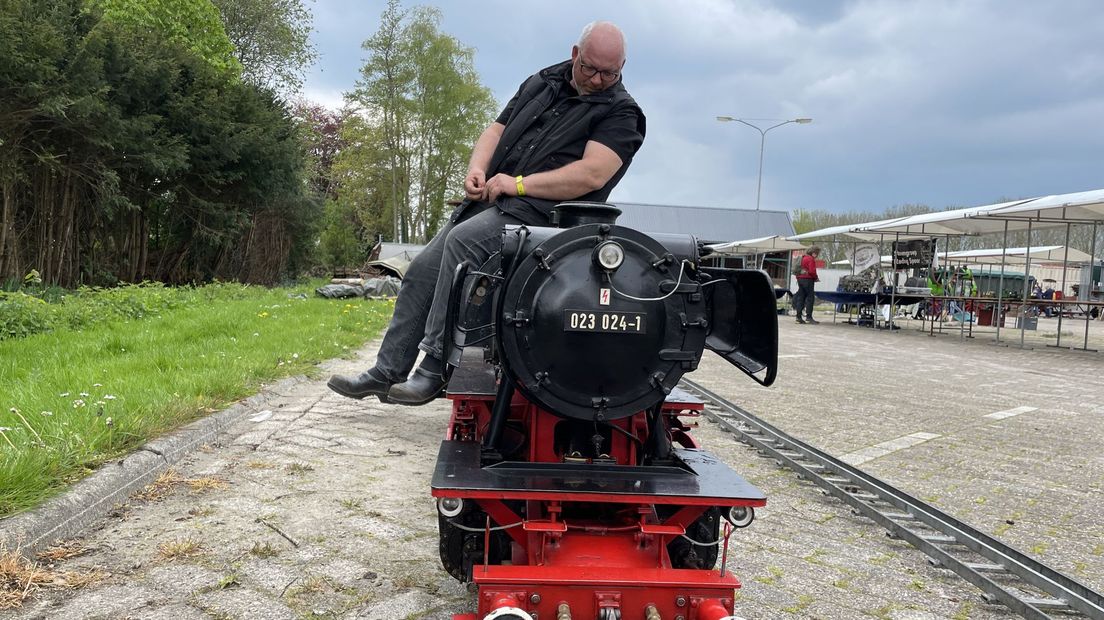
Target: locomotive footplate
{"x": 698, "y": 479}
{"x": 474, "y": 379}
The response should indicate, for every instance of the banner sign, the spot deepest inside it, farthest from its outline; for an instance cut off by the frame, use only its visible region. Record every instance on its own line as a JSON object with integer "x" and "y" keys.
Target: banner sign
{"x": 864, "y": 257}
{"x": 910, "y": 254}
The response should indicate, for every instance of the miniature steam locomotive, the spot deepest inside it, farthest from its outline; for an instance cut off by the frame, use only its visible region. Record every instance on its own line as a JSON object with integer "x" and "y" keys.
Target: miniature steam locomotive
{"x": 568, "y": 484}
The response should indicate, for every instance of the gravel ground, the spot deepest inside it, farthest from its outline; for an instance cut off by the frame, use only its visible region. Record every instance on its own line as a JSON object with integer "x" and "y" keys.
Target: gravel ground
{"x": 319, "y": 507}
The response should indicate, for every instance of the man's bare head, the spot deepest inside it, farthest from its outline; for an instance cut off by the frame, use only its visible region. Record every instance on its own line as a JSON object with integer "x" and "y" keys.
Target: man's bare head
{"x": 598, "y": 57}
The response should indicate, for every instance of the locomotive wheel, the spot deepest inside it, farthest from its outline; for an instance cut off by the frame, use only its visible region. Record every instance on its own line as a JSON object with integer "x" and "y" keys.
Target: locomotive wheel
{"x": 685, "y": 554}
{"x": 461, "y": 549}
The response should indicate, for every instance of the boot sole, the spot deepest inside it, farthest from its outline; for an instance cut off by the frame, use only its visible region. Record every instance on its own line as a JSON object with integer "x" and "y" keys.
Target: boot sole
{"x": 418, "y": 403}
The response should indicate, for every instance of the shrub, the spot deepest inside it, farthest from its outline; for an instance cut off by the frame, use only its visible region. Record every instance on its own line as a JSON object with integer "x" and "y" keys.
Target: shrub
{"x": 22, "y": 315}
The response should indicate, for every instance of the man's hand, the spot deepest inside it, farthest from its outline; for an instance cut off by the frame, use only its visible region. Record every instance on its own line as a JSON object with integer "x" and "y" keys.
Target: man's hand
{"x": 501, "y": 185}
{"x": 475, "y": 184}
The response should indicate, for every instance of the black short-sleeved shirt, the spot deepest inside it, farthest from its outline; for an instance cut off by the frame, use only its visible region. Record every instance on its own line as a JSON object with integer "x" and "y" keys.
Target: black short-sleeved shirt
{"x": 548, "y": 125}
{"x": 617, "y": 131}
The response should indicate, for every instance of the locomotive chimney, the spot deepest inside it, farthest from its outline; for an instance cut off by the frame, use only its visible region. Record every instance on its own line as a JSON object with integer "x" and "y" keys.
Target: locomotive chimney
{"x": 571, "y": 214}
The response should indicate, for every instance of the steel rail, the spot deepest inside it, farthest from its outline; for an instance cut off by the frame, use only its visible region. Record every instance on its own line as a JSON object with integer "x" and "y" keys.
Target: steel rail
{"x": 1002, "y": 572}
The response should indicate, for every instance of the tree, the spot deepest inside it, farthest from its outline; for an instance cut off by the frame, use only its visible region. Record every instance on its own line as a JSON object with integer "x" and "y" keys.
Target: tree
{"x": 422, "y": 107}
{"x": 195, "y": 24}
{"x": 271, "y": 40}
{"x": 126, "y": 155}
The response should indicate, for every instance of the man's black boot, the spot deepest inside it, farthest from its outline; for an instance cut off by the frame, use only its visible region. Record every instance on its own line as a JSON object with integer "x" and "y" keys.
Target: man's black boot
{"x": 423, "y": 386}
{"x": 364, "y": 384}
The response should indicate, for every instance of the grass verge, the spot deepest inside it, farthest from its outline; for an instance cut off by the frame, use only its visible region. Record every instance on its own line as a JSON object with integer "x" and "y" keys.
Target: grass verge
{"x": 72, "y": 399}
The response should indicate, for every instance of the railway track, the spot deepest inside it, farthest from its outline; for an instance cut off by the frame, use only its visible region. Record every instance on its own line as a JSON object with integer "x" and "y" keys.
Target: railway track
{"x": 1006, "y": 576}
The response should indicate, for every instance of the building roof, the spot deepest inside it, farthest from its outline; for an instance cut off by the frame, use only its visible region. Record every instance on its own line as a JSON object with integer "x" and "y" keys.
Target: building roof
{"x": 710, "y": 224}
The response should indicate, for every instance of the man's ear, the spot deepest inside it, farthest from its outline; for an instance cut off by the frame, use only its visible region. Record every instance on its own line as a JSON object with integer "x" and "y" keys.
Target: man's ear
{"x": 574, "y": 52}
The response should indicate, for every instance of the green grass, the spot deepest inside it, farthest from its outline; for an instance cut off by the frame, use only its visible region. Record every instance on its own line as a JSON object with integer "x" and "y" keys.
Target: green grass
{"x": 71, "y": 399}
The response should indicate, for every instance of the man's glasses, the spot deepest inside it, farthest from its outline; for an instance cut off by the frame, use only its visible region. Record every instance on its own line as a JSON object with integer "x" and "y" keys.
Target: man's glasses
{"x": 589, "y": 72}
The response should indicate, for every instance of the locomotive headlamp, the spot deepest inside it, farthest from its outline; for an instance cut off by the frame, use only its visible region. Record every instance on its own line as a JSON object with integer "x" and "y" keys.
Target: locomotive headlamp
{"x": 740, "y": 516}
{"x": 450, "y": 507}
{"x": 610, "y": 255}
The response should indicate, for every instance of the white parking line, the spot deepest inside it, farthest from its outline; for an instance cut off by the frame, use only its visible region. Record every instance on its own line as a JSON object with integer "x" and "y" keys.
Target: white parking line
{"x": 868, "y": 454}
{"x": 792, "y": 356}
{"x": 1000, "y": 415}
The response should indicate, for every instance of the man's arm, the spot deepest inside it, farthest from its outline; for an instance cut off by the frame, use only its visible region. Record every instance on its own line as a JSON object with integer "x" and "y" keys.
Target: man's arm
{"x": 593, "y": 171}
{"x": 475, "y": 183}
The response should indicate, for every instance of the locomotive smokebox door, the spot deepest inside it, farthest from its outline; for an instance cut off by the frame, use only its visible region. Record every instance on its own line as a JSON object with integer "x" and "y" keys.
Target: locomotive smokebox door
{"x": 744, "y": 322}
{"x": 598, "y": 321}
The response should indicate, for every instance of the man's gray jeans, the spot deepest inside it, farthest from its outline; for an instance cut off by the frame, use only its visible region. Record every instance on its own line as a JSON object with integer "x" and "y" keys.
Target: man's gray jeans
{"x": 419, "y": 318}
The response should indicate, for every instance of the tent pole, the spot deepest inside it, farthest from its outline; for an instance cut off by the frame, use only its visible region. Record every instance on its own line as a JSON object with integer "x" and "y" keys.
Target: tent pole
{"x": 1065, "y": 269}
{"x": 1088, "y": 293}
{"x": 1000, "y": 283}
{"x": 1026, "y": 287}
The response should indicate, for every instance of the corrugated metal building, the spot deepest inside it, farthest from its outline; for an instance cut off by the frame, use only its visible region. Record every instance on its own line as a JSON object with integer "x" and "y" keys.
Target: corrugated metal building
{"x": 710, "y": 224}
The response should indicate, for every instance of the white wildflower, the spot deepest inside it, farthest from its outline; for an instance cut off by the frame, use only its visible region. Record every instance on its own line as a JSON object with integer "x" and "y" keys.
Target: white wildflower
{"x": 97, "y": 385}
{"x": 84, "y": 394}
{"x": 109, "y": 421}
{"x": 47, "y": 413}
{"x": 64, "y": 394}
{"x": 77, "y": 404}
{"x": 109, "y": 397}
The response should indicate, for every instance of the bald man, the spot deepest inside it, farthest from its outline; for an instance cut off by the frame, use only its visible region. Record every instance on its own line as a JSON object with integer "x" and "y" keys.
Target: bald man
{"x": 569, "y": 133}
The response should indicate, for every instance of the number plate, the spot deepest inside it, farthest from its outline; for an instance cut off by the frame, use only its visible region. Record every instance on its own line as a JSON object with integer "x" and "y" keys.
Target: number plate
{"x": 604, "y": 322}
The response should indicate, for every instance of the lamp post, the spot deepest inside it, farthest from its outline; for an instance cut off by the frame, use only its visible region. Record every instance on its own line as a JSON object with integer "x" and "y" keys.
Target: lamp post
{"x": 762, "y": 144}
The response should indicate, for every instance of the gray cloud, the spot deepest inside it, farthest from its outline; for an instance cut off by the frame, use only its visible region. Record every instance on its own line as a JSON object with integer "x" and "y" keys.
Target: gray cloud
{"x": 945, "y": 103}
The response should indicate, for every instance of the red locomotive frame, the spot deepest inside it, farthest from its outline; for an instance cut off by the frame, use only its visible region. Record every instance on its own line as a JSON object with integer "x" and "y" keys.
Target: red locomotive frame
{"x": 565, "y": 562}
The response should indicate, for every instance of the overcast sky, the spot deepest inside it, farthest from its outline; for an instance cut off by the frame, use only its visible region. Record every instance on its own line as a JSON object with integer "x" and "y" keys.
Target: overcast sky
{"x": 956, "y": 103}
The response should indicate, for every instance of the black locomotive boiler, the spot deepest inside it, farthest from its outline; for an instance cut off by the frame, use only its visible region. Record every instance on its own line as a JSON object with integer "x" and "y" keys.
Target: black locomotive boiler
{"x": 569, "y": 484}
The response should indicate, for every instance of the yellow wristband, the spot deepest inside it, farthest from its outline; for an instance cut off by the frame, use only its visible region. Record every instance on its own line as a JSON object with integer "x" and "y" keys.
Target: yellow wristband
{"x": 520, "y": 186}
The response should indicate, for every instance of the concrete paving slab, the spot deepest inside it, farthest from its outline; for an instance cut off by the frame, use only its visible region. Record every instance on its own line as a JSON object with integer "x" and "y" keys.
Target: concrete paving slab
{"x": 324, "y": 510}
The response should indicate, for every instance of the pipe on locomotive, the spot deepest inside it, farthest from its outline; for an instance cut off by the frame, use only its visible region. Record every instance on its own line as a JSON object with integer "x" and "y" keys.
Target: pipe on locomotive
{"x": 712, "y": 609}
{"x": 507, "y": 607}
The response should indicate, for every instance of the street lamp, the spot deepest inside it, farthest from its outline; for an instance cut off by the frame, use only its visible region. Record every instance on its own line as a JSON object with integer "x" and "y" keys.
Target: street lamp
{"x": 762, "y": 143}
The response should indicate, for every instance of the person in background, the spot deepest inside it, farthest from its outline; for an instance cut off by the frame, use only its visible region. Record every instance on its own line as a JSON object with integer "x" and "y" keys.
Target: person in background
{"x": 569, "y": 133}
{"x": 806, "y": 279}
{"x": 1048, "y": 294}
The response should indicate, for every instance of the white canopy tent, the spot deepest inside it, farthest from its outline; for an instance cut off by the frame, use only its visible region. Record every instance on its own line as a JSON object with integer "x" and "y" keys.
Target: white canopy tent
{"x": 1047, "y": 254}
{"x": 1064, "y": 210}
{"x": 776, "y": 243}
{"x": 1043, "y": 255}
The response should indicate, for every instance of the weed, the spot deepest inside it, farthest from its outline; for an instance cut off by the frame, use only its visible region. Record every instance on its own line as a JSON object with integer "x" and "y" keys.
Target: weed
{"x": 918, "y": 585}
{"x": 229, "y": 580}
{"x": 259, "y": 465}
{"x": 775, "y": 574}
{"x": 63, "y": 551}
{"x": 20, "y": 579}
{"x": 963, "y": 612}
{"x": 180, "y": 548}
{"x": 199, "y": 485}
{"x": 1039, "y": 548}
{"x": 352, "y": 503}
{"x": 882, "y": 558}
{"x": 160, "y": 488}
{"x": 264, "y": 550}
{"x": 205, "y": 511}
{"x": 803, "y": 601}
{"x": 298, "y": 469}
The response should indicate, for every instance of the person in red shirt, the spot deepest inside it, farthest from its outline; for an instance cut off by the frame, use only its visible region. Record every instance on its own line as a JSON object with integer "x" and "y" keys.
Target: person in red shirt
{"x": 806, "y": 278}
